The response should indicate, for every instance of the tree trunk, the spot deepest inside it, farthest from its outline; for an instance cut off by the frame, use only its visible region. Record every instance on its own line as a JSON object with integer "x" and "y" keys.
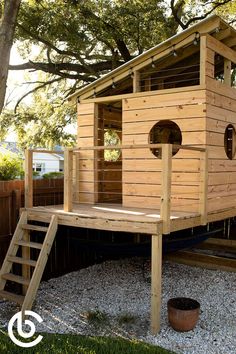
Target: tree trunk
{"x": 7, "y": 29}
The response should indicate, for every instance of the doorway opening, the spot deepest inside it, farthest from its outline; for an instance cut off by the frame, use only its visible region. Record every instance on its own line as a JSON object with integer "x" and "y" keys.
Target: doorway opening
{"x": 109, "y": 162}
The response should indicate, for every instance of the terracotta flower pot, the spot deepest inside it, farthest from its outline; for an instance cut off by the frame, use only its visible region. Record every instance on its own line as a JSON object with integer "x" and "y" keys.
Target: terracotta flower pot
{"x": 183, "y": 313}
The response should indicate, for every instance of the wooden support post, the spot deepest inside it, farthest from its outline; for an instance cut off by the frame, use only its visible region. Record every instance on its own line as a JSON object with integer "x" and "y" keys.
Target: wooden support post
{"x": 166, "y": 187}
{"x": 76, "y": 175}
{"x": 98, "y": 156}
{"x": 207, "y": 62}
{"x": 28, "y": 178}
{"x": 227, "y": 72}
{"x": 203, "y": 186}
{"x": 136, "y": 81}
{"x": 203, "y": 48}
{"x": 68, "y": 172}
{"x": 156, "y": 283}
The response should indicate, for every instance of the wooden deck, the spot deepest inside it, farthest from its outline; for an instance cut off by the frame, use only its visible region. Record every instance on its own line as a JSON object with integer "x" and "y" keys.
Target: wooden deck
{"x": 115, "y": 217}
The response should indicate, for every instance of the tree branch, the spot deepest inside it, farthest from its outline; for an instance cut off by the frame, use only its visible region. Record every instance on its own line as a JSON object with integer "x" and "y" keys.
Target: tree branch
{"x": 34, "y": 90}
{"x": 64, "y": 69}
{"x": 116, "y": 35}
{"x": 177, "y": 8}
{"x": 199, "y": 18}
{"x": 48, "y": 44}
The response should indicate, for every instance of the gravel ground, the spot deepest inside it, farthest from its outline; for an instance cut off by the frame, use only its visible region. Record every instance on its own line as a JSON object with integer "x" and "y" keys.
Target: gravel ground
{"x": 113, "y": 298}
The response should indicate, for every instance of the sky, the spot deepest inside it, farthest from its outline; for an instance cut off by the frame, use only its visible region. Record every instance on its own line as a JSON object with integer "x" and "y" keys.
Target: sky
{"x": 16, "y": 85}
{"x": 15, "y": 88}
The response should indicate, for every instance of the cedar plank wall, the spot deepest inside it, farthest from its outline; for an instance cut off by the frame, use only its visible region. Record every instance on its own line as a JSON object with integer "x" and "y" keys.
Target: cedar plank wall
{"x": 141, "y": 169}
{"x": 221, "y": 111}
{"x": 84, "y": 186}
{"x": 91, "y": 121}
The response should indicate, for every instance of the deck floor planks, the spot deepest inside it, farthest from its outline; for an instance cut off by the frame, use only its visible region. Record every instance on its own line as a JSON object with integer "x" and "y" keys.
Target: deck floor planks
{"x": 116, "y": 217}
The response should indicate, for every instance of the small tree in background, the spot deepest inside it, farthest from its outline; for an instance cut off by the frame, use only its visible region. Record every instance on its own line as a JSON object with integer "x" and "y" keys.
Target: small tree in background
{"x": 111, "y": 138}
{"x": 10, "y": 167}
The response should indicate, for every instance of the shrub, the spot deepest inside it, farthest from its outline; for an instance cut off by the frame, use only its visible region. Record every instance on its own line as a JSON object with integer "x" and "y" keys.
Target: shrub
{"x": 126, "y": 318}
{"x": 36, "y": 174}
{"x": 10, "y": 167}
{"x": 53, "y": 175}
{"x": 96, "y": 317}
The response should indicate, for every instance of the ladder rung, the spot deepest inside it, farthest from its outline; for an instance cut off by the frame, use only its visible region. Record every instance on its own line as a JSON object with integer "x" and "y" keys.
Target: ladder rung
{"x": 29, "y": 244}
{"x": 19, "y": 299}
{"x": 34, "y": 227}
{"x": 21, "y": 260}
{"x": 16, "y": 278}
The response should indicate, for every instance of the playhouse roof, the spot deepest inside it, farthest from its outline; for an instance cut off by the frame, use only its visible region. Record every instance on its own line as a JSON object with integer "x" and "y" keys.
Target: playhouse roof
{"x": 213, "y": 25}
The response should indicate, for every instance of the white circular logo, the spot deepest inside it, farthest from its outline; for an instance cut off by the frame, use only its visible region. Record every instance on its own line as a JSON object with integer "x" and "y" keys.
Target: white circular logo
{"x": 18, "y": 319}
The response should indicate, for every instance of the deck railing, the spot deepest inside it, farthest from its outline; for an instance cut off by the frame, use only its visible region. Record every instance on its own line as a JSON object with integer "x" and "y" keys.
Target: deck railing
{"x": 29, "y": 173}
{"x": 166, "y": 176}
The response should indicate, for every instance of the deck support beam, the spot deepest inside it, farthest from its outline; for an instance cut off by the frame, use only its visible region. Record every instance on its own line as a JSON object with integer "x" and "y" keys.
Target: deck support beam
{"x": 156, "y": 264}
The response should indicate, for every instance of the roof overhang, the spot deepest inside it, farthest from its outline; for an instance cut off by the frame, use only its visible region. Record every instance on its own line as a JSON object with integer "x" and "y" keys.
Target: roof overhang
{"x": 212, "y": 25}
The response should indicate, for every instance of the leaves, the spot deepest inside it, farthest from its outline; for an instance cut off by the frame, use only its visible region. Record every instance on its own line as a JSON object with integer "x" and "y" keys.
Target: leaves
{"x": 43, "y": 122}
{"x": 78, "y": 41}
{"x": 10, "y": 167}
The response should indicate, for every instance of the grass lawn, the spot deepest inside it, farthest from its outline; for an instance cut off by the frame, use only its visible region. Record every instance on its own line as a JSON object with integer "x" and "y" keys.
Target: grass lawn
{"x": 76, "y": 344}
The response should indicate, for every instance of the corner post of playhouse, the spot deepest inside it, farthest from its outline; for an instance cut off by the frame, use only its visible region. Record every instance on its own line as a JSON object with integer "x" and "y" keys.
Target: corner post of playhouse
{"x": 68, "y": 173}
{"x": 203, "y": 186}
{"x": 166, "y": 187}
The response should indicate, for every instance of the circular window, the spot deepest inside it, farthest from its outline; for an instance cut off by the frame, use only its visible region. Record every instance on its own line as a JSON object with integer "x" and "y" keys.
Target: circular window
{"x": 229, "y": 141}
{"x": 165, "y": 132}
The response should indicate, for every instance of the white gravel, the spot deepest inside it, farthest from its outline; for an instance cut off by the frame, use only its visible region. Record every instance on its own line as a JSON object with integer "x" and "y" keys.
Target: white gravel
{"x": 121, "y": 289}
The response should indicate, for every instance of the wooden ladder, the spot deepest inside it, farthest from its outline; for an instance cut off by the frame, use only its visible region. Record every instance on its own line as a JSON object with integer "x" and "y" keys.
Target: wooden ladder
{"x": 30, "y": 280}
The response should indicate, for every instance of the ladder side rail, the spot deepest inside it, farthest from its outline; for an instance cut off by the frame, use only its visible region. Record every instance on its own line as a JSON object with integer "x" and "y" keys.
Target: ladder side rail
{"x": 40, "y": 266}
{"x": 13, "y": 248}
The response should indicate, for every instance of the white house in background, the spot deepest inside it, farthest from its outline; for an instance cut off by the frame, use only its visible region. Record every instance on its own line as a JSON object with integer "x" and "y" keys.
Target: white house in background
{"x": 45, "y": 163}
{"x": 42, "y": 162}
{"x": 5, "y": 151}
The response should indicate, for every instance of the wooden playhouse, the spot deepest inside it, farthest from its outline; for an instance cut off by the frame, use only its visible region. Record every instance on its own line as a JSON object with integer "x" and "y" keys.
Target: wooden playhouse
{"x": 171, "y": 114}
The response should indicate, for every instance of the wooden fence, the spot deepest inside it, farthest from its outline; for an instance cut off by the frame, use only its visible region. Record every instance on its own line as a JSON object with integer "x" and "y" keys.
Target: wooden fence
{"x": 46, "y": 192}
{"x": 71, "y": 250}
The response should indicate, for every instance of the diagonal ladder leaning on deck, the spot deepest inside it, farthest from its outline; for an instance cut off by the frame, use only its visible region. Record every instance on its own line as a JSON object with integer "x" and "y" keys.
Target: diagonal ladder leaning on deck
{"x": 21, "y": 238}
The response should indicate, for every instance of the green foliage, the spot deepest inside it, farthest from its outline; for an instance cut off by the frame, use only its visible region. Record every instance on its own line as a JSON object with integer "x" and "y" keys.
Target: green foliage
{"x": 43, "y": 122}
{"x": 35, "y": 174}
{"x": 77, "y": 344}
{"x": 10, "y": 167}
{"x": 92, "y": 29}
{"x": 78, "y": 41}
{"x": 126, "y": 318}
{"x": 111, "y": 138}
{"x": 96, "y": 317}
{"x": 228, "y": 11}
{"x": 53, "y": 175}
